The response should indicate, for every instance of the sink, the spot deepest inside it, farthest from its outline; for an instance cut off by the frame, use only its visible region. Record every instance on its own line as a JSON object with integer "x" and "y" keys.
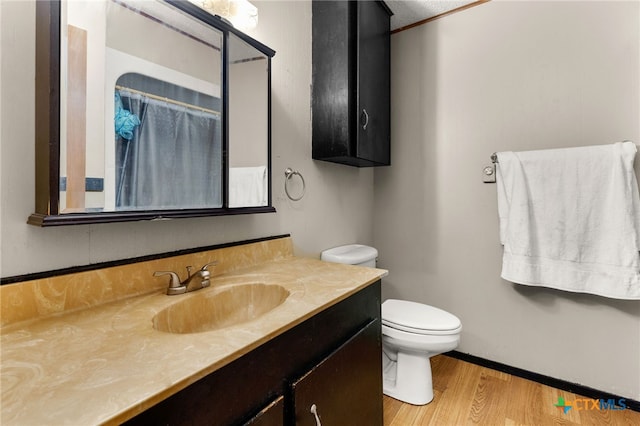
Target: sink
{"x": 212, "y": 311}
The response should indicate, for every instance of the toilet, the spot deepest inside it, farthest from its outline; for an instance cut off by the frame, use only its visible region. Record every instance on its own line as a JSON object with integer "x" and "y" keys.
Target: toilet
{"x": 411, "y": 334}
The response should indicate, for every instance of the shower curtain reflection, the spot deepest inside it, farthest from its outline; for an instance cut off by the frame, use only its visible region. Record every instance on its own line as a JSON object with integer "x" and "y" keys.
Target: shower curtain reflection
{"x": 173, "y": 159}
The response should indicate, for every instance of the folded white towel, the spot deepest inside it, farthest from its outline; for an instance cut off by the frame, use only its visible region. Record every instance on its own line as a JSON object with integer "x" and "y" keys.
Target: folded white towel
{"x": 570, "y": 219}
{"x": 248, "y": 186}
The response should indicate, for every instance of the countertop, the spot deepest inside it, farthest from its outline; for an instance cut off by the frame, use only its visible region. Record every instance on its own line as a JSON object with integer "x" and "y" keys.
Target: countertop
{"x": 106, "y": 363}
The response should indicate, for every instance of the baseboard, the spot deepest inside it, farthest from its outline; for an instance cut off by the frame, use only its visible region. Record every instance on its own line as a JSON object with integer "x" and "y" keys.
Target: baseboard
{"x": 545, "y": 380}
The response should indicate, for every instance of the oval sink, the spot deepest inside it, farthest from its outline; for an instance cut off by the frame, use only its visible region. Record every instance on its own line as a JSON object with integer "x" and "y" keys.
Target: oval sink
{"x": 212, "y": 311}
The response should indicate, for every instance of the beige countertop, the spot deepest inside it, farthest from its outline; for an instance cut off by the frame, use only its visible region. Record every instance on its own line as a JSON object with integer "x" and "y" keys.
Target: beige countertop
{"x": 107, "y": 363}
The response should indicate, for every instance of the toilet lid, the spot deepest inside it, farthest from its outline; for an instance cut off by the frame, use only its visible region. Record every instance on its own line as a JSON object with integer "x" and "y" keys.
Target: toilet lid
{"x": 418, "y": 317}
{"x": 352, "y": 254}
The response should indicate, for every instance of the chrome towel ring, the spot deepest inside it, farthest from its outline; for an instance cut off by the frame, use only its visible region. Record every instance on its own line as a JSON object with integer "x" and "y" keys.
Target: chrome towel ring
{"x": 288, "y": 173}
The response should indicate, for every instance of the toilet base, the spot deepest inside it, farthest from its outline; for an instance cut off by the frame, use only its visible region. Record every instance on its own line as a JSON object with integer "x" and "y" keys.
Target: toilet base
{"x": 407, "y": 378}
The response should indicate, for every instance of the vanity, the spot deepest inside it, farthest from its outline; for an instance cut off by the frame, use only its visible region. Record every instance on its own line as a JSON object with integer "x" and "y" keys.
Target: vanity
{"x": 88, "y": 348}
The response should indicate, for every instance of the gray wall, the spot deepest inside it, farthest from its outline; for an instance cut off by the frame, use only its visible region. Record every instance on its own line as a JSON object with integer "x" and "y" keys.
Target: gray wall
{"x": 335, "y": 210}
{"x": 506, "y": 76}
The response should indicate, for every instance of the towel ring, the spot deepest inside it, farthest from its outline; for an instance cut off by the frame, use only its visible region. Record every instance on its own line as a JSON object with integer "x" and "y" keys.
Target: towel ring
{"x": 288, "y": 173}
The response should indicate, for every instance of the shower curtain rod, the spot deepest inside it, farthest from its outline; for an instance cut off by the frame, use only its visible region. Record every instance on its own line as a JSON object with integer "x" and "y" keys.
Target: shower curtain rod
{"x": 170, "y": 101}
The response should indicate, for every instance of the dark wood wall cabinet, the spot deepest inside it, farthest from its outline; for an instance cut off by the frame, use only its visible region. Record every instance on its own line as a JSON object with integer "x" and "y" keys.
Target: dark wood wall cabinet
{"x": 332, "y": 362}
{"x": 351, "y": 82}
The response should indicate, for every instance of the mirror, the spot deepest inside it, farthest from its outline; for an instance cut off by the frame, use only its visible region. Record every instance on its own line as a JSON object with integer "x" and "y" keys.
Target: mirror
{"x": 153, "y": 109}
{"x": 248, "y": 123}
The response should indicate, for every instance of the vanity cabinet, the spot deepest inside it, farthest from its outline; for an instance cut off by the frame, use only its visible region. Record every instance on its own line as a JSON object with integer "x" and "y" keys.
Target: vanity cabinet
{"x": 332, "y": 359}
{"x": 351, "y": 82}
{"x": 271, "y": 415}
{"x": 341, "y": 386}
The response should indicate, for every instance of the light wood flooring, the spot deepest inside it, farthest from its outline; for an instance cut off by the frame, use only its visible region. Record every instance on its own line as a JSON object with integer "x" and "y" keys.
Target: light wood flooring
{"x": 466, "y": 393}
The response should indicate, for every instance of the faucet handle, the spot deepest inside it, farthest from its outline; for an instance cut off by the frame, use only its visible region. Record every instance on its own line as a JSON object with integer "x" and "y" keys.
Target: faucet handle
{"x": 206, "y": 266}
{"x": 174, "y": 280}
{"x": 189, "y": 268}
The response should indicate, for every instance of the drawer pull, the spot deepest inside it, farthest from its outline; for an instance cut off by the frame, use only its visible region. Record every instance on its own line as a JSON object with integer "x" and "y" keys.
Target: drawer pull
{"x": 314, "y": 411}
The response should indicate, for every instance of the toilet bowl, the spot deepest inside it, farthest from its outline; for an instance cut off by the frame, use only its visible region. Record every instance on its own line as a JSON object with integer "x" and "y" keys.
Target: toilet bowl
{"x": 411, "y": 334}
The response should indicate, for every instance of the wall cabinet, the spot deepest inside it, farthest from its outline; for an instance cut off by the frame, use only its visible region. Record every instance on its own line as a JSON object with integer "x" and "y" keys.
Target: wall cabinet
{"x": 191, "y": 153}
{"x": 351, "y": 82}
{"x": 332, "y": 359}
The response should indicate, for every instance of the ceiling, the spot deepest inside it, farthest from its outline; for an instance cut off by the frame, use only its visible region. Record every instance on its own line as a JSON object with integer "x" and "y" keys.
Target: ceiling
{"x": 407, "y": 12}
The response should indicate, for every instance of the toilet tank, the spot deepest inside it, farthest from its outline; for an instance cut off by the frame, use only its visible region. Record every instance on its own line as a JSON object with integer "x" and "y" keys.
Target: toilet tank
{"x": 352, "y": 254}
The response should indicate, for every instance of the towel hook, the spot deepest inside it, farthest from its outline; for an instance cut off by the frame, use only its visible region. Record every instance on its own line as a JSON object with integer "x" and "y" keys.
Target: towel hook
{"x": 288, "y": 173}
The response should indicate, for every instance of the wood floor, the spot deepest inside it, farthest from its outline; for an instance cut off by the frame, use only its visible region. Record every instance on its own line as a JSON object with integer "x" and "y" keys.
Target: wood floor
{"x": 469, "y": 394}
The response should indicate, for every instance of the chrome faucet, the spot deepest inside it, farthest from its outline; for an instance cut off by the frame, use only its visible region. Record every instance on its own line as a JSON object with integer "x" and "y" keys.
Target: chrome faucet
{"x": 197, "y": 281}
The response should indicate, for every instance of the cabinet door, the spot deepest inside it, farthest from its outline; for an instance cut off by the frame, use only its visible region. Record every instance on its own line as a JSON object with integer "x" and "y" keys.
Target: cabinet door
{"x": 333, "y": 91}
{"x": 271, "y": 415}
{"x": 345, "y": 387}
{"x": 374, "y": 94}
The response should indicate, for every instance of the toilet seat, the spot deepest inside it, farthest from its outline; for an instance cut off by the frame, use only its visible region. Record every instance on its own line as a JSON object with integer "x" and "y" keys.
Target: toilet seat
{"x": 418, "y": 318}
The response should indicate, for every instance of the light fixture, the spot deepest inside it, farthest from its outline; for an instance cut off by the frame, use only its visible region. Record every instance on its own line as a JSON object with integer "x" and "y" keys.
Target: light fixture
{"x": 241, "y": 13}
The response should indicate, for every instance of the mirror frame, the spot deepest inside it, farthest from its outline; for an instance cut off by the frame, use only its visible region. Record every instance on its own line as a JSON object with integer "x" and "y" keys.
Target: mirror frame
{"x": 47, "y": 126}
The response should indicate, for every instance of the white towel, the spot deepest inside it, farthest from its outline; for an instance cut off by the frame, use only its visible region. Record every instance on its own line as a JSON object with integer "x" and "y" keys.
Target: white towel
{"x": 570, "y": 219}
{"x": 248, "y": 186}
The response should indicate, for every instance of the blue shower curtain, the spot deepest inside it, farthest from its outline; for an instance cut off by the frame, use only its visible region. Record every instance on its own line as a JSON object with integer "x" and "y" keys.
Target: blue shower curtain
{"x": 173, "y": 160}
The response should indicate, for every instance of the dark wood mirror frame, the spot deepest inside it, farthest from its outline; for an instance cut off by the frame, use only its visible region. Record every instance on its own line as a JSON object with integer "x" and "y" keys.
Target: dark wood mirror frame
{"x": 47, "y": 122}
